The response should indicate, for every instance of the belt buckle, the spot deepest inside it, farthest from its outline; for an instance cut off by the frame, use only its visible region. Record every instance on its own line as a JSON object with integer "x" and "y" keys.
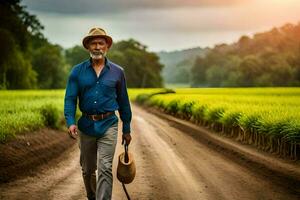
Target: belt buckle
{"x": 93, "y": 117}
{"x": 96, "y": 117}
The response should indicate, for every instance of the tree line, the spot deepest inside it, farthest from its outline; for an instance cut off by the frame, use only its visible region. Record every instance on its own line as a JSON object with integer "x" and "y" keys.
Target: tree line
{"x": 29, "y": 61}
{"x": 142, "y": 68}
{"x": 178, "y": 64}
{"x": 269, "y": 58}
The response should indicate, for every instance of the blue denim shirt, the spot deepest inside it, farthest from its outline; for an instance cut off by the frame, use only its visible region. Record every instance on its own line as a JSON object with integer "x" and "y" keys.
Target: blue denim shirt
{"x": 96, "y": 95}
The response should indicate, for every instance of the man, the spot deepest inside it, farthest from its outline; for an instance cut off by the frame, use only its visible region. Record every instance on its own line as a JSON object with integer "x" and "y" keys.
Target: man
{"x": 100, "y": 86}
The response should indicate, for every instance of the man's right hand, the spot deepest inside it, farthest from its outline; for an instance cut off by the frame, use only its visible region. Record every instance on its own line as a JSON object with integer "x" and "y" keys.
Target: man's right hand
{"x": 73, "y": 131}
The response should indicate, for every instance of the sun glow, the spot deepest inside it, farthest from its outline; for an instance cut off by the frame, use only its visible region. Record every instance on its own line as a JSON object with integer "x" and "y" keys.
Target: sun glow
{"x": 284, "y": 2}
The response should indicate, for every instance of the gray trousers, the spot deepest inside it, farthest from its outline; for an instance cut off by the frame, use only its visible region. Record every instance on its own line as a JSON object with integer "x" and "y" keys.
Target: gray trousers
{"x": 98, "y": 153}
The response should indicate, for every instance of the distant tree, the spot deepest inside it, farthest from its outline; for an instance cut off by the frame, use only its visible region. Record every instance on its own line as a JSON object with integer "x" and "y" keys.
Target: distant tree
{"x": 19, "y": 74}
{"x": 231, "y": 74}
{"x": 214, "y": 75}
{"x": 250, "y": 68}
{"x": 281, "y": 72}
{"x": 294, "y": 62}
{"x": 198, "y": 72}
{"x": 270, "y": 58}
{"x": 15, "y": 71}
{"x": 178, "y": 64}
{"x": 17, "y": 27}
{"x": 76, "y": 55}
{"x": 50, "y": 66}
{"x": 181, "y": 73}
{"x": 142, "y": 68}
{"x": 20, "y": 23}
{"x": 214, "y": 58}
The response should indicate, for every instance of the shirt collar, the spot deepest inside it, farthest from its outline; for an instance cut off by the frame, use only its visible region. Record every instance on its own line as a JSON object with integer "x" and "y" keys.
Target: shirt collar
{"x": 106, "y": 61}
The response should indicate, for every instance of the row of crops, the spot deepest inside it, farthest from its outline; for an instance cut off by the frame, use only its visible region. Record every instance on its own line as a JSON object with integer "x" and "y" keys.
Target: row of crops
{"x": 268, "y": 118}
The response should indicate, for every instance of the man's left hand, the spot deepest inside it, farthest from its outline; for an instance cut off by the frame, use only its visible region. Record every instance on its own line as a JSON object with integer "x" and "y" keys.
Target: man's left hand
{"x": 127, "y": 138}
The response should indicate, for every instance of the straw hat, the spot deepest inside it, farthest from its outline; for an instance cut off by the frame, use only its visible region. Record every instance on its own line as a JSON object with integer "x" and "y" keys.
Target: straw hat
{"x": 96, "y": 32}
{"x": 126, "y": 168}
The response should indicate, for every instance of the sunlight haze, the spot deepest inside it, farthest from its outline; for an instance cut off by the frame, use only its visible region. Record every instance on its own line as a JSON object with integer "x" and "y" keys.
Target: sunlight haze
{"x": 168, "y": 25}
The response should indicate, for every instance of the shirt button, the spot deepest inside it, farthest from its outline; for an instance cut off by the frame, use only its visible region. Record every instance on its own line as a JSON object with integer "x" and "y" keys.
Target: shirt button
{"x": 97, "y": 82}
{"x": 95, "y": 101}
{"x": 96, "y": 92}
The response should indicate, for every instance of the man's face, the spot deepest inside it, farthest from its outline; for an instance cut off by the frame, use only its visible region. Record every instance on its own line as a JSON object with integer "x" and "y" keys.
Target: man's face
{"x": 98, "y": 48}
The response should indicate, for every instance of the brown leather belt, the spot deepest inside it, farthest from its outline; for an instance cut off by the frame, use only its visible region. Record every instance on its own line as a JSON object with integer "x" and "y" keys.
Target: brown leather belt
{"x": 99, "y": 116}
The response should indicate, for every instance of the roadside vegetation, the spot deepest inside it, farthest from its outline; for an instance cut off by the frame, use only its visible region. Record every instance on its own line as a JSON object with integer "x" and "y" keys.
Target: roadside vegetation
{"x": 268, "y": 118}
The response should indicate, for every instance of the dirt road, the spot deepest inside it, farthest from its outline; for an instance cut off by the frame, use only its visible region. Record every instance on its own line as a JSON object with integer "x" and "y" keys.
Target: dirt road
{"x": 170, "y": 165}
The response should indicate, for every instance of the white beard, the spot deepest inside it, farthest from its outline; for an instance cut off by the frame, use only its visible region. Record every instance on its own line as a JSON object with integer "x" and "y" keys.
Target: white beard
{"x": 97, "y": 56}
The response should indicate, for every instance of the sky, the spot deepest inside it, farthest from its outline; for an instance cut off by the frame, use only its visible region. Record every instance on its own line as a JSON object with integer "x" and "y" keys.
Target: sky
{"x": 164, "y": 25}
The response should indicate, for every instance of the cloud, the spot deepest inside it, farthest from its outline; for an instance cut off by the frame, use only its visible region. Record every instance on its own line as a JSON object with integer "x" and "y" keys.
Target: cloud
{"x": 109, "y": 6}
{"x": 165, "y": 28}
{"x": 69, "y": 31}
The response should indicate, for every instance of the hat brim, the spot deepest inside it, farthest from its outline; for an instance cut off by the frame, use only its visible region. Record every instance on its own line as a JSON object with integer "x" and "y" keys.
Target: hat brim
{"x": 85, "y": 41}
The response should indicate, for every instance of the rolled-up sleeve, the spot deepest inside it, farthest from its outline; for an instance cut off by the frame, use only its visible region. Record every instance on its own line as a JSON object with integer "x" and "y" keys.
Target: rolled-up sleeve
{"x": 71, "y": 98}
{"x": 124, "y": 104}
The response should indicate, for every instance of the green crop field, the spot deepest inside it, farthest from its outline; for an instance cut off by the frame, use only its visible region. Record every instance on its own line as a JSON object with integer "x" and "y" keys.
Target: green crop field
{"x": 268, "y": 118}
{"x": 22, "y": 111}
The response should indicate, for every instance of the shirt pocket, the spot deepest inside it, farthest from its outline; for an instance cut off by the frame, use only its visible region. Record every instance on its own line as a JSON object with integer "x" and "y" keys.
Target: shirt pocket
{"x": 109, "y": 88}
